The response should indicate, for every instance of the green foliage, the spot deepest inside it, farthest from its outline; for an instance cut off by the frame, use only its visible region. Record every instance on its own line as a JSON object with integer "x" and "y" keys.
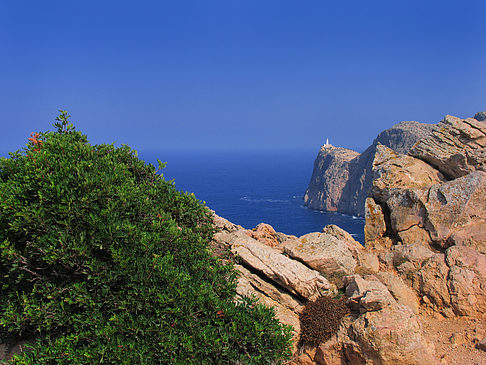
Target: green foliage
{"x": 103, "y": 261}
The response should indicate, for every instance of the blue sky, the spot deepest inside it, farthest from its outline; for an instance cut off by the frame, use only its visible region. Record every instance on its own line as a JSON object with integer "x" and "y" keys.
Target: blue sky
{"x": 233, "y": 74}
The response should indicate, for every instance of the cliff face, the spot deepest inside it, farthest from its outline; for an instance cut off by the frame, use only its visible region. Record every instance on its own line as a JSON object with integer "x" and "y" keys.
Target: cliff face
{"x": 342, "y": 178}
{"x": 329, "y": 177}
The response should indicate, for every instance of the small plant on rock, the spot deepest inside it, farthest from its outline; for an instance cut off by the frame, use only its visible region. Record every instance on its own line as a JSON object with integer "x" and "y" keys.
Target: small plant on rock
{"x": 320, "y": 319}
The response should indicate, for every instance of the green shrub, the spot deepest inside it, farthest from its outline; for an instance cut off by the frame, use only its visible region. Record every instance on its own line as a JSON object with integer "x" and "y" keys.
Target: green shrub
{"x": 103, "y": 261}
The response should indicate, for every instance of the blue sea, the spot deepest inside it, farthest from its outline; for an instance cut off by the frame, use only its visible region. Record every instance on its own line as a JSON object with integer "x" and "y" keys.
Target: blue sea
{"x": 250, "y": 187}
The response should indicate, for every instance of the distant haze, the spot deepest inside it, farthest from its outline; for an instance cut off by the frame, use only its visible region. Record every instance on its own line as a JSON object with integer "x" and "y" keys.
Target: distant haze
{"x": 248, "y": 74}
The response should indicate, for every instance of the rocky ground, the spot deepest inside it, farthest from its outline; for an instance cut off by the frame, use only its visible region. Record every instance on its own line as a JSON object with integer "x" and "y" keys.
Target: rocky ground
{"x": 455, "y": 339}
{"x": 417, "y": 290}
{"x": 389, "y": 323}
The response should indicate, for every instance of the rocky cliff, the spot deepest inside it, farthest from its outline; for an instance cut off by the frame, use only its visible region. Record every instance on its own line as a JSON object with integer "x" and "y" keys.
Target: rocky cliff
{"x": 415, "y": 291}
{"x": 341, "y": 179}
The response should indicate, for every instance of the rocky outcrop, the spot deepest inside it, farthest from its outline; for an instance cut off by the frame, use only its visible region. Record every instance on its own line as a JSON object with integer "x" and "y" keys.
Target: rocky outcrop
{"x": 290, "y": 274}
{"x": 424, "y": 258}
{"x": 456, "y": 147}
{"x": 466, "y": 282}
{"x": 329, "y": 177}
{"x": 325, "y": 253}
{"x": 392, "y": 336}
{"x": 367, "y": 294}
{"x": 342, "y": 178}
{"x": 383, "y": 332}
{"x": 266, "y": 234}
{"x": 302, "y": 269}
{"x": 433, "y": 204}
{"x": 422, "y": 207}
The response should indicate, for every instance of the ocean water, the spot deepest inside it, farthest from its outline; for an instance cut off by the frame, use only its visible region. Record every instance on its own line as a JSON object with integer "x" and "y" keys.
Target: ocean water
{"x": 250, "y": 187}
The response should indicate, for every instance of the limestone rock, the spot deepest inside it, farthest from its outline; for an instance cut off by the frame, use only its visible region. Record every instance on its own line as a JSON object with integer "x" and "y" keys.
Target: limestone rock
{"x": 375, "y": 225}
{"x": 408, "y": 259}
{"x": 252, "y": 284}
{"x": 392, "y": 336}
{"x": 414, "y": 235}
{"x": 399, "y": 138}
{"x": 266, "y": 234}
{"x": 456, "y": 212}
{"x": 340, "y": 349}
{"x": 394, "y": 171}
{"x": 341, "y": 234}
{"x": 402, "y": 293}
{"x": 467, "y": 278}
{"x": 290, "y": 274}
{"x": 286, "y": 307}
{"x": 330, "y": 175}
{"x": 446, "y": 214}
{"x": 456, "y": 147}
{"x": 367, "y": 294}
{"x": 342, "y": 178}
{"x": 367, "y": 262}
{"x": 322, "y": 252}
{"x": 431, "y": 281}
{"x": 222, "y": 224}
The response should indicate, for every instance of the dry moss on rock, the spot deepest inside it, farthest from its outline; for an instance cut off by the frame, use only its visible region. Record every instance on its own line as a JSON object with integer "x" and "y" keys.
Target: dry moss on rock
{"x": 320, "y": 319}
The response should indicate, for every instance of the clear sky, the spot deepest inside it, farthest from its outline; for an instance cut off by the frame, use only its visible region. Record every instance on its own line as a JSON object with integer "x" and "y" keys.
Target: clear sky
{"x": 238, "y": 74}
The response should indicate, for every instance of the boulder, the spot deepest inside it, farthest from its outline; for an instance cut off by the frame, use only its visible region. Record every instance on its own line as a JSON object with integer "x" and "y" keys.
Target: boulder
{"x": 340, "y": 349}
{"x": 322, "y": 252}
{"x": 290, "y": 274}
{"x": 402, "y": 293}
{"x": 456, "y": 147}
{"x": 395, "y": 171}
{"x": 367, "y": 262}
{"x": 265, "y": 234}
{"x": 456, "y": 212}
{"x": 444, "y": 214}
{"x": 431, "y": 281}
{"x": 392, "y": 336}
{"x": 367, "y": 294}
{"x": 341, "y": 234}
{"x": 466, "y": 281}
{"x": 407, "y": 259}
{"x": 375, "y": 225}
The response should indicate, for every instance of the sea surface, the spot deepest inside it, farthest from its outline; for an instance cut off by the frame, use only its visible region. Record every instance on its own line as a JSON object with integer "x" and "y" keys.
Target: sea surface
{"x": 250, "y": 187}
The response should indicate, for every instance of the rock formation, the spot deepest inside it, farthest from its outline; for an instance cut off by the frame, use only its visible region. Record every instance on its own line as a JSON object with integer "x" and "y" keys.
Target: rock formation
{"x": 341, "y": 179}
{"x": 456, "y": 147}
{"x": 422, "y": 273}
{"x": 302, "y": 269}
{"x": 329, "y": 177}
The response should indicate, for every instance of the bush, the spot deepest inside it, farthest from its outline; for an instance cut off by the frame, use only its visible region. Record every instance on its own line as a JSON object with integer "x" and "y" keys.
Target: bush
{"x": 103, "y": 261}
{"x": 319, "y": 320}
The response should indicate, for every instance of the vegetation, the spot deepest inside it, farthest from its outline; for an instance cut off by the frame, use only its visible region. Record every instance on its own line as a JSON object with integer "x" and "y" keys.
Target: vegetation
{"x": 321, "y": 319}
{"x": 103, "y": 261}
